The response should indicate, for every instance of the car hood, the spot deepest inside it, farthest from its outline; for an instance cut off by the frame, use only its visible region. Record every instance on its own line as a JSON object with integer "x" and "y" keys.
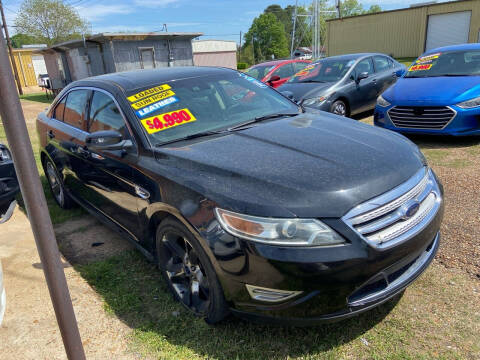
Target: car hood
{"x": 301, "y": 91}
{"x": 307, "y": 166}
{"x": 433, "y": 91}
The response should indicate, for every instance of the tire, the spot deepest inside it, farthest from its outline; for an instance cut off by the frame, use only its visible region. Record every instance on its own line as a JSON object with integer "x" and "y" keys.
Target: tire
{"x": 339, "y": 107}
{"x": 57, "y": 188}
{"x": 188, "y": 272}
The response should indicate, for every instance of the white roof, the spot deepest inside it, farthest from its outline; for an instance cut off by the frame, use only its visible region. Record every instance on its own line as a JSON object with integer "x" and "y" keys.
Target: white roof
{"x": 202, "y": 46}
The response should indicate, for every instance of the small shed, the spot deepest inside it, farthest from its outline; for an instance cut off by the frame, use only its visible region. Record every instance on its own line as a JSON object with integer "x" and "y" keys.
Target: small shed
{"x": 29, "y": 65}
{"x": 114, "y": 52}
{"x": 215, "y": 53}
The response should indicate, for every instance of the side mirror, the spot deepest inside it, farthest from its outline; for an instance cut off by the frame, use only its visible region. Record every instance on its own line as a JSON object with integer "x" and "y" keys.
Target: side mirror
{"x": 273, "y": 78}
{"x": 107, "y": 140}
{"x": 400, "y": 72}
{"x": 362, "y": 76}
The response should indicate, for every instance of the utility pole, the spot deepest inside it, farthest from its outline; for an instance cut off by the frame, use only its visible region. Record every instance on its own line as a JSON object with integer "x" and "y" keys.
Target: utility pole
{"x": 293, "y": 30}
{"x": 37, "y": 210}
{"x": 240, "y": 49}
{"x": 10, "y": 50}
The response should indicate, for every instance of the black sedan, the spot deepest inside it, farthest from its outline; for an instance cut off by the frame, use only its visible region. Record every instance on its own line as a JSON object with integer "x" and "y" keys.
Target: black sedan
{"x": 248, "y": 203}
{"x": 344, "y": 85}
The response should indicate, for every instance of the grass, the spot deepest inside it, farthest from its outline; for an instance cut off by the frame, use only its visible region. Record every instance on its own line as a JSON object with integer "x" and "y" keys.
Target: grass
{"x": 57, "y": 214}
{"x": 438, "y": 317}
{"x": 38, "y": 97}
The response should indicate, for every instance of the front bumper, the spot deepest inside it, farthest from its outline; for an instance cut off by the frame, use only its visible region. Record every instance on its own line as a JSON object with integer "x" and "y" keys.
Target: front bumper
{"x": 330, "y": 283}
{"x": 465, "y": 123}
{"x": 9, "y": 187}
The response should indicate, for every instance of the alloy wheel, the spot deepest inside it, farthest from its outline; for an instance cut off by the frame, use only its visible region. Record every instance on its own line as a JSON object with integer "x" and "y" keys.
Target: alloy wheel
{"x": 340, "y": 109}
{"x": 55, "y": 183}
{"x": 185, "y": 273}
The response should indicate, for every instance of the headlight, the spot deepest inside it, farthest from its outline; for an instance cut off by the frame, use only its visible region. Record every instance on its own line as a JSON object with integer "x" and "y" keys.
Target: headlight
{"x": 382, "y": 102}
{"x": 470, "y": 103}
{"x": 285, "y": 232}
{"x": 316, "y": 101}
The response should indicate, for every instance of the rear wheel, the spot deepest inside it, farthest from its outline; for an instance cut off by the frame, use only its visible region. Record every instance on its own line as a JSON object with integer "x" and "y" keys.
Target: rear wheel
{"x": 339, "y": 107}
{"x": 56, "y": 186}
{"x": 188, "y": 272}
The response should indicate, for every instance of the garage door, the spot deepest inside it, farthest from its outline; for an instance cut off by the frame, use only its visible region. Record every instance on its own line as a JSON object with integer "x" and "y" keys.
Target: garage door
{"x": 448, "y": 29}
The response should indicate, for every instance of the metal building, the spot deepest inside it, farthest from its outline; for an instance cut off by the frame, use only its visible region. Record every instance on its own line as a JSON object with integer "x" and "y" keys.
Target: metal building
{"x": 113, "y": 52}
{"x": 406, "y": 32}
{"x": 215, "y": 53}
{"x": 29, "y": 66}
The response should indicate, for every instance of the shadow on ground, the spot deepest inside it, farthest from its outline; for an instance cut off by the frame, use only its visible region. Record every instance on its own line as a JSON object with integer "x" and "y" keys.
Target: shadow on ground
{"x": 134, "y": 292}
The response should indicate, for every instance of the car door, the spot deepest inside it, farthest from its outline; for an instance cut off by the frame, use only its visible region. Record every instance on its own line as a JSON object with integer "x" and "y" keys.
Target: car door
{"x": 365, "y": 91}
{"x": 386, "y": 75}
{"x": 110, "y": 173}
{"x": 66, "y": 139}
{"x": 284, "y": 72}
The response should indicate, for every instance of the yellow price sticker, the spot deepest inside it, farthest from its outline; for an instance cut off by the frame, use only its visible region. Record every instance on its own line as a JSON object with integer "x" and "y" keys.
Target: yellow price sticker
{"x": 152, "y": 99}
{"x": 168, "y": 120}
{"x": 148, "y": 92}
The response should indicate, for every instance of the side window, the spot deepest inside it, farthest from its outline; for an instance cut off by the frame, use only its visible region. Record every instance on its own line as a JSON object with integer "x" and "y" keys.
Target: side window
{"x": 105, "y": 115}
{"x": 297, "y": 66}
{"x": 284, "y": 71}
{"x": 365, "y": 65}
{"x": 74, "y": 113}
{"x": 381, "y": 63}
{"x": 58, "y": 114}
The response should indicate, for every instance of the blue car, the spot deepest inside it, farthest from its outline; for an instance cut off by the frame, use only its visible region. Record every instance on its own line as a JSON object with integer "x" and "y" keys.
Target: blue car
{"x": 439, "y": 94}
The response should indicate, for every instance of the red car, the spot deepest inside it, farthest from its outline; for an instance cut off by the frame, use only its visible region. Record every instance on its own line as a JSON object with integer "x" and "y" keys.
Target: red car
{"x": 275, "y": 73}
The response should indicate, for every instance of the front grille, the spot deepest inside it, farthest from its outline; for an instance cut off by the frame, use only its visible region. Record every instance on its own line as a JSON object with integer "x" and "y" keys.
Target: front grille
{"x": 399, "y": 214}
{"x": 435, "y": 118}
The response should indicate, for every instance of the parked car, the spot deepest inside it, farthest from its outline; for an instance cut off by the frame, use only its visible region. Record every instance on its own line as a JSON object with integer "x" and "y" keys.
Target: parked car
{"x": 8, "y": 190}
{"x": 440, "y": 94}
{"x": 344, "y": 85}
{"x": 248, "y": 204}
{"x": 276, "y": 73}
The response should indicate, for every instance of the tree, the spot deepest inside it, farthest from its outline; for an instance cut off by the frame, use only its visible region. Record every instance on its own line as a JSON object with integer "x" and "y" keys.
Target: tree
{"x": 268, "y": 37}
{"x": 351, "y": 8}
{"x": 23, "y": 39}
{"x": 50, "y": 21}
{"x": 373, "y": 9}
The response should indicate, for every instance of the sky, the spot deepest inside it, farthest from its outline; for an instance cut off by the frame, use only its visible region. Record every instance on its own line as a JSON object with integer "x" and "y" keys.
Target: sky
{"x": 216, "y": 19}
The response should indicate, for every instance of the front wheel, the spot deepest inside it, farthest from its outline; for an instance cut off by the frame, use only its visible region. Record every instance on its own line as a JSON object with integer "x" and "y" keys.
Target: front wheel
{"x": 339, "y": 108}
{"x": 188, "y": 272}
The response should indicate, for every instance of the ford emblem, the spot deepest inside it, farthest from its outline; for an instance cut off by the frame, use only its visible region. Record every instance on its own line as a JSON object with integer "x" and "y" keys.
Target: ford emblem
{"x": 409, "y": 209}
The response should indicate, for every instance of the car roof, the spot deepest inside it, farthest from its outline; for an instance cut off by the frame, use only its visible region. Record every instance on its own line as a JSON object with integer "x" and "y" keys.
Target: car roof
{"x": 352, "y": 56}
{"x": 131, "y": 80}
{"x": 472, "y": 46}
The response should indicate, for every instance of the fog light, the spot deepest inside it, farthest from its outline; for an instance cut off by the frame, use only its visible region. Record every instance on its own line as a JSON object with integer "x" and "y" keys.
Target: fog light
{"x": 270, "y": 295}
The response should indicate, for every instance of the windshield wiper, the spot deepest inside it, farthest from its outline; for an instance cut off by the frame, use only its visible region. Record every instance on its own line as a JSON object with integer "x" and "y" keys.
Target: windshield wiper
{"x": 192, "y": 136}
{"x": 261, "y": 118}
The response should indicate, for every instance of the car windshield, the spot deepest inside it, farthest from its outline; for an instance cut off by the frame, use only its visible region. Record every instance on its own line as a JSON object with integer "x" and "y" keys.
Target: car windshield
{"x": 449, "y": 63}
{"x": 183, "y": 108}
{"x": 328, "y": 70}
{"x": 260, "y": 71}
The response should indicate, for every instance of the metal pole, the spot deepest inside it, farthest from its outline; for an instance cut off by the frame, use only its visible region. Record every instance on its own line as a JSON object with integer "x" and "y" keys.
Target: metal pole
{"x": 10, "y": 50}
{"x": 240, "y": 49}
{"x": 37, "y": 210}
{"x": 293, "y": 30}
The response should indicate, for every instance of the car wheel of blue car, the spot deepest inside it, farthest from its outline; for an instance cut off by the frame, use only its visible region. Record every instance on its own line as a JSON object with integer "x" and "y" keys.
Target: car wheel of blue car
{"x": 56, "y": 186}
{"x": 339, "y": 108}
{"x": 188, "y": 272}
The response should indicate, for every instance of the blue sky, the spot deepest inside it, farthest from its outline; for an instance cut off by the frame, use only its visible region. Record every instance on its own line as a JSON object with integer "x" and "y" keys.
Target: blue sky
{"x": 217, "y": 19}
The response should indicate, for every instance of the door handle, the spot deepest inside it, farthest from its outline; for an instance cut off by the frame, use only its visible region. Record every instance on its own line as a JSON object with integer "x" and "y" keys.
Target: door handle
{"x": 50, "y": 134}
{"x": 141, "y": 192}
{"x": 374, "y": 80}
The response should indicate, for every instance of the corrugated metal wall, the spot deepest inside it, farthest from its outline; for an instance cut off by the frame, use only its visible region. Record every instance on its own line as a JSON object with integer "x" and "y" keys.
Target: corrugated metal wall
{"x": 26, "y": 71}
{"x": 220, "y": 58}
{"x": 400, "y": 33}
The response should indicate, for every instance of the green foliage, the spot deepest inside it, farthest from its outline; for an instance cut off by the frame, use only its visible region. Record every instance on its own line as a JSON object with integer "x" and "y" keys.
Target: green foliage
{"x": 242, "y": 66}
{"x": 267, "y": 35}
{"x": 303, "y": 33}
{"x": 374, "y": 9}
{"x": 50, "y": 21}
{"x": 23, "y": 39}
